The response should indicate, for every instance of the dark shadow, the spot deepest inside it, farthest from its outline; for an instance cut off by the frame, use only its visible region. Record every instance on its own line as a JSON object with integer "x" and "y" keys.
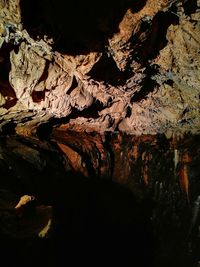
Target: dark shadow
{"x": 106, "y": 70}
{"x": 149, "y": 49}
{"x": 97, "y": 222}
{"x": 45, "y": 73}
{"x": 38, "y": 96}
{"x": 137, "y": 5}
{"x": 5, "y": 88}
{"x": 105, "y": 225}
{"x": 156, "y": 36}
{"x": 8, "y": 129}
{"x": 44, "y": 130}
{"x": 94, "y": 222}
{"x": 90, "y": 112}
{"x": 148, "y": 85}
{"x": 190, "y": 6}
{"x": 76, "y": 26}
{"x": 169, "y": 82}
{"x": 73, "y": 86}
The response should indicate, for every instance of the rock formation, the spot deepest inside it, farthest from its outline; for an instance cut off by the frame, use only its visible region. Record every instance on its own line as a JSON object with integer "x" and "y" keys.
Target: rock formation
{"x": 99, "y": 131}
{"x": 131, "y": 66}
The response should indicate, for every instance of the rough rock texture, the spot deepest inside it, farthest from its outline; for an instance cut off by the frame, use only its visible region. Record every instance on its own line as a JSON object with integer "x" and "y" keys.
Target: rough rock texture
{"x": 131, "y": 66}
{"x": 99, "y": 122}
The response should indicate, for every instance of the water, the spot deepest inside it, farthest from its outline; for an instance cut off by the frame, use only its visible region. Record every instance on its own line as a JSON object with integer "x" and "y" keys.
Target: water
{"x": 114, "y": 198}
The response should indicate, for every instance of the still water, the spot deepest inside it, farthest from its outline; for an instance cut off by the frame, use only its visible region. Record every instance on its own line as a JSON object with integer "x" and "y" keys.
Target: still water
{"x": 100, "y": 200}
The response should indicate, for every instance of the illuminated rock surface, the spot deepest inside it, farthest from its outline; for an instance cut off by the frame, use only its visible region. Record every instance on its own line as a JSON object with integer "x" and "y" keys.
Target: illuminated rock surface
{"x": 130, "y": 65}
{"x": 99, "y": 122}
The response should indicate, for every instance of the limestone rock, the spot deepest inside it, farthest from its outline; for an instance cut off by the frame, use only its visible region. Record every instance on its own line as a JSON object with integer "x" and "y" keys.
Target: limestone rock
{"x": 136, "y": 69}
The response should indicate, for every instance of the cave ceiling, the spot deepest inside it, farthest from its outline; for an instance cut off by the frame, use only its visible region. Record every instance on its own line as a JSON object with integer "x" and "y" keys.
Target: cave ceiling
{"x": 96, "y": 94}
{"x": 130, "y": 66}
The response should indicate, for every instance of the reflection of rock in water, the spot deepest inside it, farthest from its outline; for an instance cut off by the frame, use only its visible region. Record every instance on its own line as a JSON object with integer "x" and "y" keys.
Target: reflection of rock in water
{"x": 21, "y": 219}
{"x": 103, "y": 225}
{"x": 93, "y": 222}
{"x": 94, "y": 217}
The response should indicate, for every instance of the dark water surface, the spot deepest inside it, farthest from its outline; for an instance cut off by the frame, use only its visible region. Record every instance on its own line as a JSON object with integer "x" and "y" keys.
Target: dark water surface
{"x": 132, "y": 201}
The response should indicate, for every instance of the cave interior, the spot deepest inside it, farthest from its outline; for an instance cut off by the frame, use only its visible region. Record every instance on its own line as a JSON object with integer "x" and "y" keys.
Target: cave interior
{"x": 100, "y": 133}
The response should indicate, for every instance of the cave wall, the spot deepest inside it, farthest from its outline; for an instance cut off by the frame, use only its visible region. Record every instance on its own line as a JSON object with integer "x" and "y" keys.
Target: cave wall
{"x": 75, "y": 79}
{"x": 130, "y": 66}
